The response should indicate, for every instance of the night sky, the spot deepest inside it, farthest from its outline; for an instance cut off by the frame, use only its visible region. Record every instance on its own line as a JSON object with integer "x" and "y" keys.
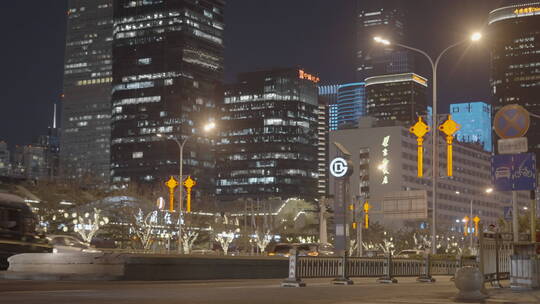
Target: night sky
{"x": 318, "y": 35}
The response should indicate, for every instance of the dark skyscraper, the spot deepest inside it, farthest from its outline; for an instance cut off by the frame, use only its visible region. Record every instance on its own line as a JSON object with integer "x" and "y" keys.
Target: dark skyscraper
{"x": 86, "y": 105}
{"x": 168, "y": 67}
{"x": 515, "y": 62}
{"x": 400, "y": 97}
{"x": 268, "y": 136}
{"x": 380, "y": 18}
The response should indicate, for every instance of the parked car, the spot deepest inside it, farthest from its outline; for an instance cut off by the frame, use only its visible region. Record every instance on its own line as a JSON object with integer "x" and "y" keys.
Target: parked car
{"x": 304, "y": 249}
{"x": 204, "y": 252}
{"x": 409, "y": 253}
{"x": 18, "y": 229}
{"x": 67, "y": 243}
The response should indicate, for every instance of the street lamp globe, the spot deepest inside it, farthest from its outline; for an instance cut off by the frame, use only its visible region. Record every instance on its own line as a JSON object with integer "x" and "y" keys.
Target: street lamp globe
{"x": 209, "y": 126}
{"x": 476, "y": 36}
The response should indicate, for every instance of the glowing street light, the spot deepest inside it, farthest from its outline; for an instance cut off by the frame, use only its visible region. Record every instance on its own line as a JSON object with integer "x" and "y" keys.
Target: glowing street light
{"x": 476, "y": 36}
{"x": 381, "y": 40}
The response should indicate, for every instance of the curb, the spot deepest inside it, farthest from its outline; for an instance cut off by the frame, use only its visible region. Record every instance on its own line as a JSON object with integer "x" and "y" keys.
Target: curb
{"x": 36, "y": 276}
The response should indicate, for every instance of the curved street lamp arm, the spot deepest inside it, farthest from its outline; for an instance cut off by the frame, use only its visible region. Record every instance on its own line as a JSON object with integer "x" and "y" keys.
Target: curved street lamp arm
{"x": 418, "y": 51}
{"x": 446, "y": 50}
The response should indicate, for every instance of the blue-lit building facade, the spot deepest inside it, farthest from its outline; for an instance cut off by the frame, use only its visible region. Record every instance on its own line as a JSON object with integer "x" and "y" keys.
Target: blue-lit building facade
{"x": 475, "y": 121}
{"x": 269, "y": 136}
{"x": 333, "y": 117}
{"x": 351, "y": 104}
{"x": 167, "y": 79}
{"x": 328, "y": 95}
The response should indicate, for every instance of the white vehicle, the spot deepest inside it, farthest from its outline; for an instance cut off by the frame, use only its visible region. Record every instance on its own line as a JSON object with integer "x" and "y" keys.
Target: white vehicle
{"x": 503, "y": 172}
{"x": 407, "y": 253}
{"x": 67, "y": 244}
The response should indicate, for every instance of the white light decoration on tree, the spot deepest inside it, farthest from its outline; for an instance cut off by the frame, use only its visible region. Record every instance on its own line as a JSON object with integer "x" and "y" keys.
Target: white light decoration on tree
{"x": 225, "y": 239}
{"x": 87, "y": 227}
{"x": 144, "y": 226}
{"x": 188, "y": 239}
{"x": 263, "y": 239}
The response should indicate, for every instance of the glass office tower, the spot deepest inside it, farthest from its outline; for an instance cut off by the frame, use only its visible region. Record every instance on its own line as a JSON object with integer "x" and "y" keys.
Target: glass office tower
{"x": 268, "y": 136}
{"x": 381, "y": 18}
{"x": 515, "y": 61}
{"x": 86, "y": 106}
{"x": 168, "y": 69}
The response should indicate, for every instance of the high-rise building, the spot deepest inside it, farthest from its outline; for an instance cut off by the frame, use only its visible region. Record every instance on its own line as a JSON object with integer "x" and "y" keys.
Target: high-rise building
{"x": 328, "y": 95}
{"x": 268, "y": 136}
{"x": 386, "y": 19}
{"x": 351, "y": 104}
{"x": 475, "y": 121}
{"x": 167, "y": 71}
{"x": 332, "y": 117}
{"x": 323, "y": 133}
{"x": 515, "y": 61}
{"x": 400, "y": 97}
{"x": 86, "y": 106}
{"x": 30, "y": 162}
{"x": 5, "y": 163}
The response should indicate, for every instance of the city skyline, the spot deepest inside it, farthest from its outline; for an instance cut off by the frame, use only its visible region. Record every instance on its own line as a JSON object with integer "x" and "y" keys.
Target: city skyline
{"x": 314, "y": 34}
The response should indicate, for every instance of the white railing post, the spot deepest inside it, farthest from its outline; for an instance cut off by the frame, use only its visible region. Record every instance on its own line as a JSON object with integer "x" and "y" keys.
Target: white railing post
{"x": 294, "y": 279}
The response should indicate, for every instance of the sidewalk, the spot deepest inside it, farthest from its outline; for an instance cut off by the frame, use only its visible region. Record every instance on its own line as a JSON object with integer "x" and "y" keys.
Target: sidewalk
{"x": 261, "y": 291}
{"x": 505, "y": 295}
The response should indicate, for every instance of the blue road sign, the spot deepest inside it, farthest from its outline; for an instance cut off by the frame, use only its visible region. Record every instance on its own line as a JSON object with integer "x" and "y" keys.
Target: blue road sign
{"x": 512, "y": 172}
{"x": 507, "y": 213}
{"x": 524, "y": 171}
{"x": 511, "y": 121}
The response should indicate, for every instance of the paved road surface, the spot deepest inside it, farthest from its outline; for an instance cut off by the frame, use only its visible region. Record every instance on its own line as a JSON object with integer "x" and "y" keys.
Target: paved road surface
{"x": 365, "y": 291}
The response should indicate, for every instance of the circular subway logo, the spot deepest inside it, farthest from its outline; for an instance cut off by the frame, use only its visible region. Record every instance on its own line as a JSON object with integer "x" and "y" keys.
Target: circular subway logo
{"x": 338, "y": 167}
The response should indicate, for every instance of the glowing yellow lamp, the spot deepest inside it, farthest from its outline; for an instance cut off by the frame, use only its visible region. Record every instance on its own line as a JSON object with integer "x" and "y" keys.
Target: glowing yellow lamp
{"x": 466, "y": 221}
{"x": 171, "y": 184}
{"x": 449, "y": 127}
{"x": 366, "y": 215}
{"x": 476, "y": 220}
{"x": 189, "y": 183}
{"x": 420, "y": 129}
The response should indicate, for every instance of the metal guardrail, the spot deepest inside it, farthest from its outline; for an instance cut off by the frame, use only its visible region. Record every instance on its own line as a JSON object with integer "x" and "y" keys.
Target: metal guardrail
{"x": 327, "y": 267}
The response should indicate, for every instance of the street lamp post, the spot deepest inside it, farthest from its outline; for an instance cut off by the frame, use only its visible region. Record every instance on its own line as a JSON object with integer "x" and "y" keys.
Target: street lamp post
{"x": 434, "y": 133}
{"x": 181, "y": 145}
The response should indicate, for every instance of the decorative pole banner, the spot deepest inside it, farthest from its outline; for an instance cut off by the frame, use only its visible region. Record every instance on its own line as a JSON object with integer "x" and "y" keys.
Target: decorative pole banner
{"x": 420, "y": 129}
{"x": 171, "y": 184}
{"x": 189, "y": 183}
{"x": 366, "y": 215}
{"x": 449, "y": 127}
{"x": 476, "y": 220}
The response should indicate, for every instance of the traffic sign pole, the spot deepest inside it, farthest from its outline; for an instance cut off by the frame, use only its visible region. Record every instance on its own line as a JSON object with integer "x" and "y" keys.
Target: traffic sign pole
{"x": 515, "y": 212}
